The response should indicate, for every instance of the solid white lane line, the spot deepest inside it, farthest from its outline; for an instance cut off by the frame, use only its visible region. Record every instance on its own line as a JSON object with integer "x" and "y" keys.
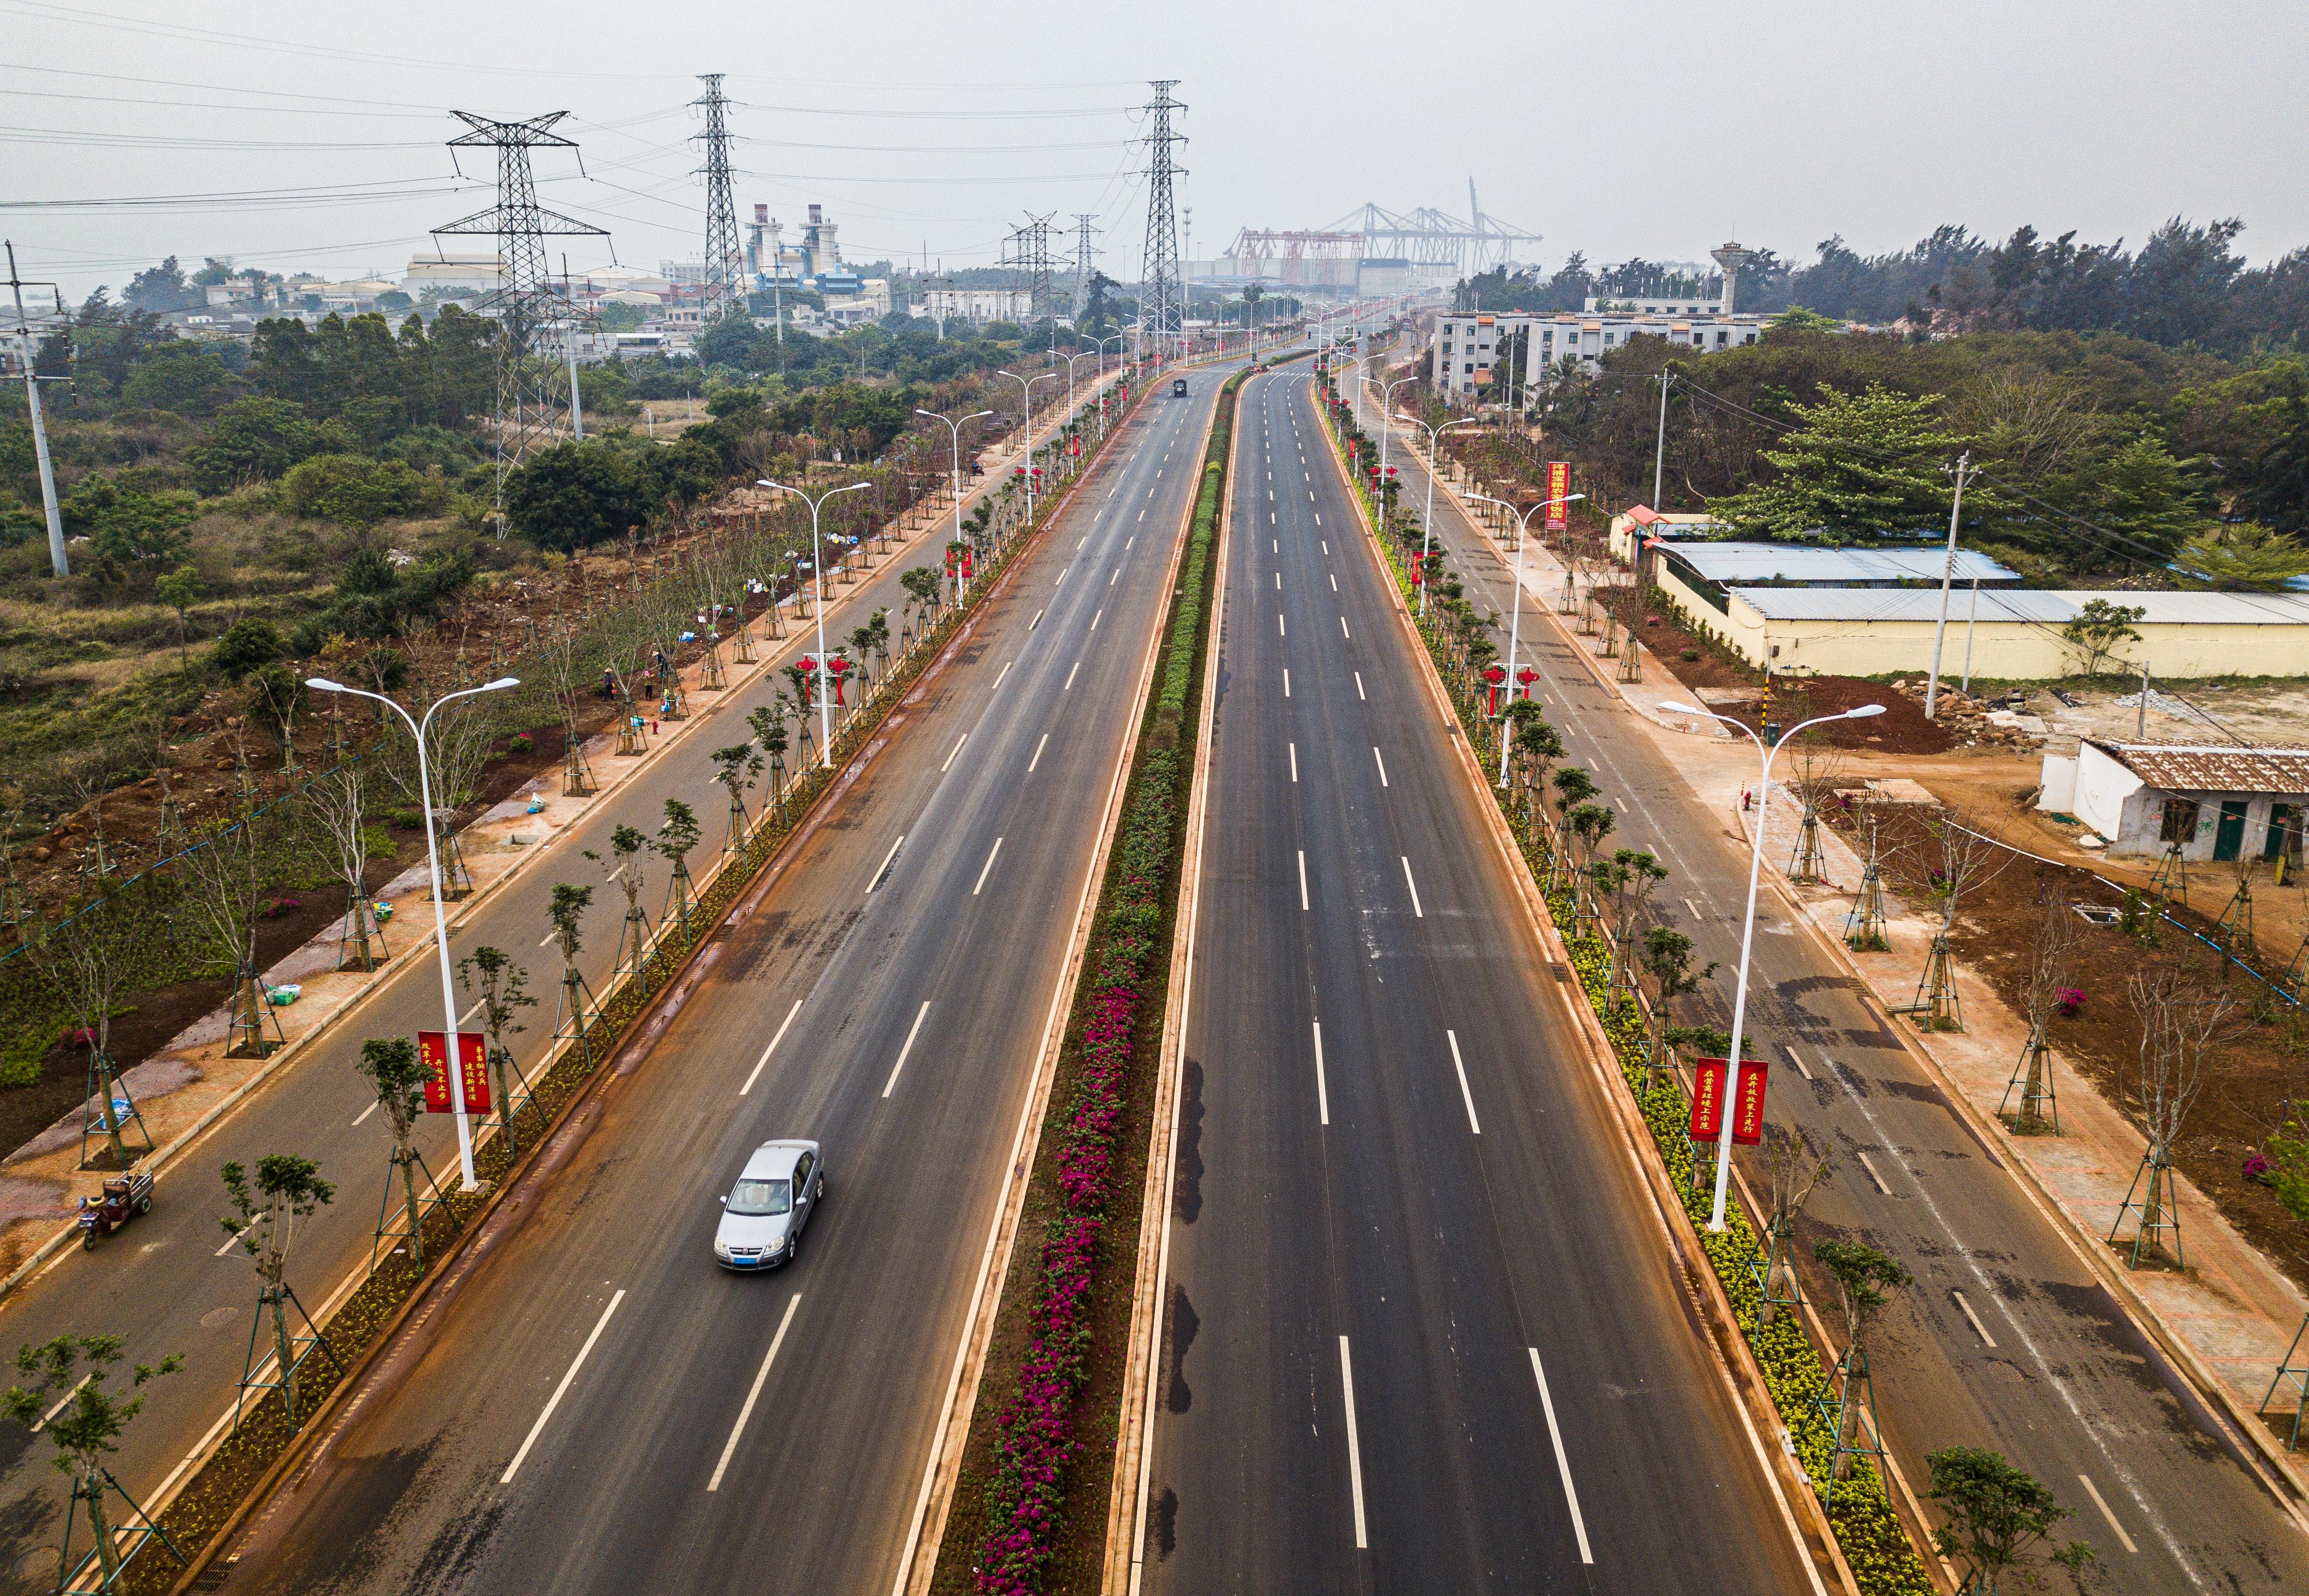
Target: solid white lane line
{"x": 1359, "y": 687}
{"x": 1006, "y": 664}
{"x": 1322, "y": 1090}
{"x": 366, "y": 1113}
{"x": 1354, "y": 1447}
{"x": 1382, "y": 765}
{"x": 1973, "y": 1319}
{"x": 1281, "y": 630}
{"x": 957, "y": 749}
{"x": 885, "y": 869}
{"x": 1417, "y": 912}
{"x": 1343, "y": 631}
{"x": 1038, "y": 749}
{"x": 773, "y": 1047}
{"x": 2094, "y": 1491}
{"x": 1870, "y": 1168}
{"x": 987, "y": 867}
{"x": 1562, "y": 1462}
{"x": 1095, "y": 619}
{"x": 1303, "y": 879}
{"x": 1287, "y": 692}
{"x": 731, "y": 1448}
{"x": 1294, "y": 760}
{"x": 1798, "y": 1062}
{"x": 1466, "y": 1095}
{"x": 561, "y": 1390}
{"x": 912, "y": 1032}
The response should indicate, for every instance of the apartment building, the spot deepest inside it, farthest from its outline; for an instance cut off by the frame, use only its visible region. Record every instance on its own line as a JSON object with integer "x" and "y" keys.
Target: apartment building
{"x": 1467, "y": 350}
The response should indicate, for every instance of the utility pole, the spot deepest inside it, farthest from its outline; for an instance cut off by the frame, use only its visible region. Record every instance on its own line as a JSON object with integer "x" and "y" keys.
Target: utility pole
{"x": 59, "y": 561}
{"x": 526, "y": 305}
{"x": 1964, "y": 473}
{"x": 1161, "y": 301}
{"x": 1659, "y": 442}
{"x": 577, "y": 405}
{"x": 725, "y": 269}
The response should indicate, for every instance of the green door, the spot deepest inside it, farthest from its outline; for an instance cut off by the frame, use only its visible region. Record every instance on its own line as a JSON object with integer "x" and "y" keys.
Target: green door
{"x": 2279, "y": 843}
{"x": 2229, "y": 841}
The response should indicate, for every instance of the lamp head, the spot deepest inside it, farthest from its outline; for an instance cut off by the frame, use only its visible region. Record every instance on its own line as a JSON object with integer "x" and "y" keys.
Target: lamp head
{"x": 1674, "y": 708}
{"x": 322, "y": 684}
{"x": 1864, "y": 712}
{"x": 502, "y": 681}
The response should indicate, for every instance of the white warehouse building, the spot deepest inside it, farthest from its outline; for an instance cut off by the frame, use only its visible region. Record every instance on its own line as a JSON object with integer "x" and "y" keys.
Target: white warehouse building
{"x": 1466, "y": 349}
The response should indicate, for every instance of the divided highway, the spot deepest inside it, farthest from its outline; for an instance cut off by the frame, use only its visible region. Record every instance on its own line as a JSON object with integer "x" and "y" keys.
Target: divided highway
{"x": 593, "y": 1405}
{"x": 2006, "y": 1339}
{"x": 1423, "y": 1331}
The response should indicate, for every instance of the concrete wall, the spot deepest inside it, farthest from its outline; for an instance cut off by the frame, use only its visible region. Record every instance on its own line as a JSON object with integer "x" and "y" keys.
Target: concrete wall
{"x": 2116, "y": 802}
{"x": 2005, "y": 650}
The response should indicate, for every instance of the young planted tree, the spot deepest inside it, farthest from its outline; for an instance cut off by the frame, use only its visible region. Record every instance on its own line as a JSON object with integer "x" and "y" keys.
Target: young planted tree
{"x": 736, "y": 768}
{"x": 1666, "y": 959}
{"x": 1793, "y": 1170}
{"x": 1864, "y": 1279}
{"x": 338, "y": 802}
{"x": 501, "y": 987}
{"x": 567, "y": 914}
{"x": 2177, "y": 1021}
{"x": 628, "y": 848}
{"x": 1628, "y": 878}
{"x": 1573, "y": 787}
{"x": 676, "y": 837}
{"x": 265, "y": 1214}
{"x": 85, "y": 958}
{"x": 769, "y": 724}
{"x": 925, "y": 586}
{"x": 395, "y": 1070}
{"x": 1961, "y": 852}
{"x": 67, "y": 1374}
{"x": 223, "y": 879}
{"x": 1588, "y": 825}
{"x": 1996, "y": 1515}
{"x": 2049, "y": 977}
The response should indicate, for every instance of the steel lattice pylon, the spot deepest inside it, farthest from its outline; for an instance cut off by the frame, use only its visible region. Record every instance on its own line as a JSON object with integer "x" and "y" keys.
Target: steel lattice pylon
{"x": 1161, "y": 297}
{"x": 532, "y": 400}
{"x": 1083, "y": 253}
{"x": 725, "y": 264}
{"x": 1034, "y": 245}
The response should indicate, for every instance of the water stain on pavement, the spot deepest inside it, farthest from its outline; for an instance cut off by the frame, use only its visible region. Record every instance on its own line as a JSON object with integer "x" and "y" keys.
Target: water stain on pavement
{"x": 1187, "y": 1176}
{"x": 1185, "y": 1326}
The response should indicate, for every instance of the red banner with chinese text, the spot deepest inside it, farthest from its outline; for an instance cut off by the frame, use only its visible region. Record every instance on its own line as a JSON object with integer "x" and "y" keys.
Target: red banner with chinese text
{"x": 1559, "y": 489}
{"x": 472, "y": 1054}
{"x": 1748, "y": 1103}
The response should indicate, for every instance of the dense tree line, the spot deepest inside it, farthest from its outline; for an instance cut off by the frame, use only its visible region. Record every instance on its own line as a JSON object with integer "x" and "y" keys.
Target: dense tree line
{"x": 2104, "y": 455}
{"x": 2185, "y": 285}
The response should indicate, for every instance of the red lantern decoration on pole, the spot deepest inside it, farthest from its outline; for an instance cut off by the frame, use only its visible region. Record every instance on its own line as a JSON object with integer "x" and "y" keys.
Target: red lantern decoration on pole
{"x": 837, "y": 667}
{"x": 1494, "y": 675}
{"x": 1525, "y": 677}
{"x": 807, "y": 665}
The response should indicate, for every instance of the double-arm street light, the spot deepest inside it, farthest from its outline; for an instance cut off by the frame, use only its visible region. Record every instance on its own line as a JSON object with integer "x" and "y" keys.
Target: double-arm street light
{"x": 1026, "y": 397}
{"x": 417, "y": 729}
{"x": 817, "y": 579}
{"x": 954, "y": 427}
{"x": 1747, "y": 929}
{"x": 1515, "y": 622}
{"x": 1386, "y": 409}
{"x": 1434, "y": 463}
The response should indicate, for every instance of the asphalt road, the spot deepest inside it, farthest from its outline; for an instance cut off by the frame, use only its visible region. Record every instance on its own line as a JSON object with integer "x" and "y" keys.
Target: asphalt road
{"x": 167, "y": 1286}
{"x": 2069, "y": 1390}
{"x": 596, "y": 1406}
{"x": 1423, "y": 1332}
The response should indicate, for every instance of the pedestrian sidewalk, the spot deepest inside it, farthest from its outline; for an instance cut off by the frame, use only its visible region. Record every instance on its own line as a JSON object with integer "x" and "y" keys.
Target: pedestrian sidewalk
{"x": 186, "y": 1085}
{"x": 2230, "y": 1316}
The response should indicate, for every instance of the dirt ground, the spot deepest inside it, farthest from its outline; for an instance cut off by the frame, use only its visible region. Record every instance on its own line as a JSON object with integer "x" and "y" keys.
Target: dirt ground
{"x": 2258, "y": 1068}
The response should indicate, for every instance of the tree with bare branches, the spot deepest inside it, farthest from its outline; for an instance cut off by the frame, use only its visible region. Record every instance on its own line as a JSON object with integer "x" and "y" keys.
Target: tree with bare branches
{"x": 2178, "y": 1020}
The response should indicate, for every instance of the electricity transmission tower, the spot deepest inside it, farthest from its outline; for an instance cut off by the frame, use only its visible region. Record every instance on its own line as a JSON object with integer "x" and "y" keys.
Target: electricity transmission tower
{"x": 725, "y": 265}
{"x": 1083, "y": 253}
{"x": 1162, "y": 302}
{"x": 532, "y": 406}
{"x": 1035, "y": 265}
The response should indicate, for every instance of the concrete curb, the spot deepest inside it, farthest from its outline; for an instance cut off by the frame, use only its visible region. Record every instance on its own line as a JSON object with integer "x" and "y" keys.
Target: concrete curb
{"x": 1806, "y": 1522}
{"x": 926, "y": 1532}
{"x": 1134, "y": 1449}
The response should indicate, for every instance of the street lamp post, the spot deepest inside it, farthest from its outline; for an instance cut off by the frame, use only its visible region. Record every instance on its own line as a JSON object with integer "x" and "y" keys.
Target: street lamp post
{"x": 1747, "y": 929}
{"x": 1026, "y": 397}
{"x": 1070, "y": 379}
{"x": 1515, "y": 622}
{"x": 1434, "y": 460}
{"x": 817, "y": 579}
{"x": 954, "y": 427}
{"x": 440, "y": 916}
{"x": 1386, "y": 409}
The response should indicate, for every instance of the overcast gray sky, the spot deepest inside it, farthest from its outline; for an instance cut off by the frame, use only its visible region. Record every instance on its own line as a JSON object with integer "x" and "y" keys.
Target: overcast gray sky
{"x": 1649, "y": 127}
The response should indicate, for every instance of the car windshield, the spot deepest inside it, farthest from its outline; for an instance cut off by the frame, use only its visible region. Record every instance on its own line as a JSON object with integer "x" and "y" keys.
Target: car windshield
{"x": 756, "y": 1197}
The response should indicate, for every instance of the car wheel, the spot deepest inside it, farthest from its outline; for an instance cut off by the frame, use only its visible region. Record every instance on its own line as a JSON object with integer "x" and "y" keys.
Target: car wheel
{"x": 793, "y": 1248}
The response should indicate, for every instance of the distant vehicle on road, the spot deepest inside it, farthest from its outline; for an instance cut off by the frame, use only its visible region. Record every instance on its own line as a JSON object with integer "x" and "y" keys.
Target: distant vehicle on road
{"x": 762, "y": 1218}
{"x": 1178, "y": 388}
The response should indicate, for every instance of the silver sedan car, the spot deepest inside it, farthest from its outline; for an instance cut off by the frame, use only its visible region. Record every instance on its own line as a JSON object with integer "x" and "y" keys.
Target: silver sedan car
{"x": 762, "y": 1218}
